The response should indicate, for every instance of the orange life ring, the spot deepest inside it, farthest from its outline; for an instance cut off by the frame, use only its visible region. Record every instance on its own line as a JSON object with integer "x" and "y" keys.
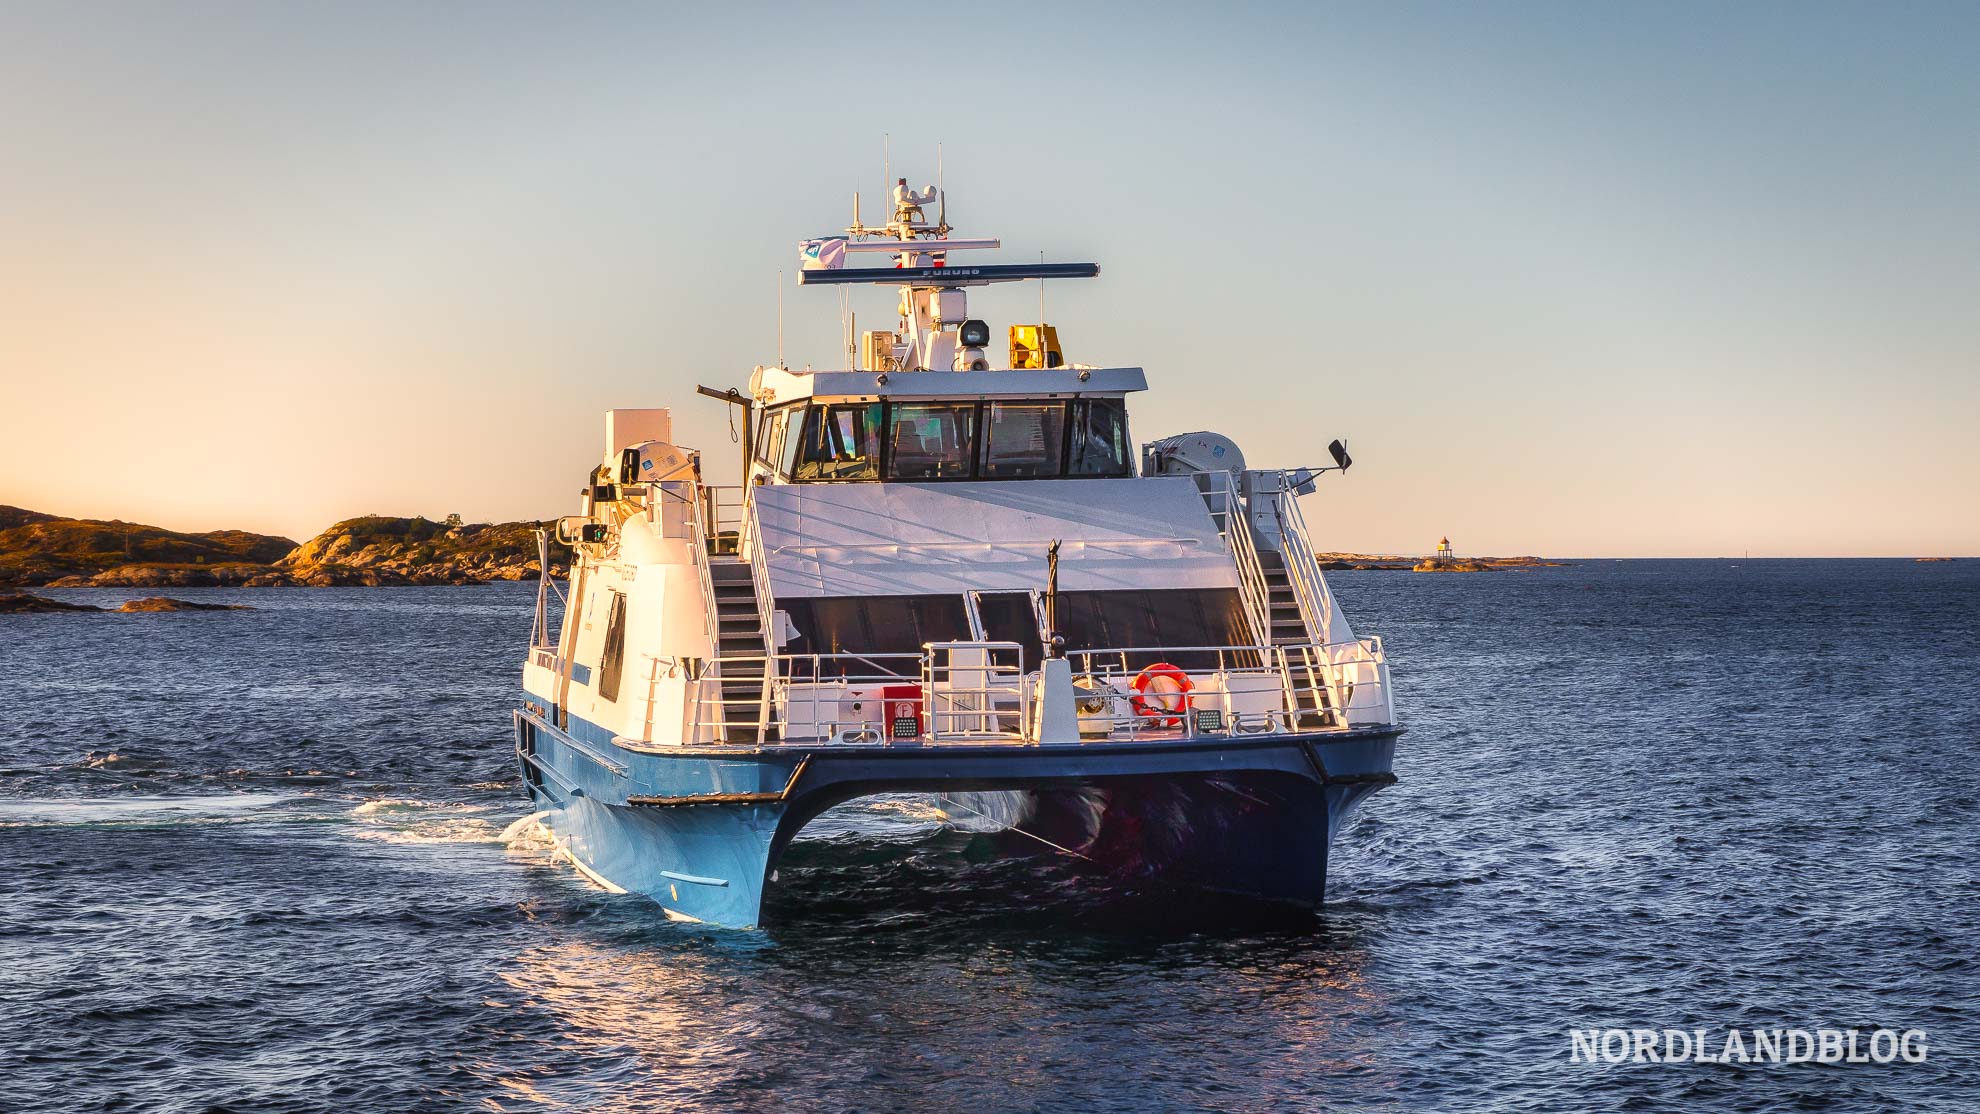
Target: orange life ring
{"x": 1176, "y": 685}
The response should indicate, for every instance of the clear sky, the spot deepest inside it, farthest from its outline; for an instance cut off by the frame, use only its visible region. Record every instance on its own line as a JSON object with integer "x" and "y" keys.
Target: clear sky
{"x": 1578, "y": 279}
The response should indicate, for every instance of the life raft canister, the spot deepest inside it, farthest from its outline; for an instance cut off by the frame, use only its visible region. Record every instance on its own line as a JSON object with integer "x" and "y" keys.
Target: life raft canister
{"x": 1168, "y": 684}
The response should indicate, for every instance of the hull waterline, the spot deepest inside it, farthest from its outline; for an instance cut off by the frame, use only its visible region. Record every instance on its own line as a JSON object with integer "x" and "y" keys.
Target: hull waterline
{"x": 699, "y": 833}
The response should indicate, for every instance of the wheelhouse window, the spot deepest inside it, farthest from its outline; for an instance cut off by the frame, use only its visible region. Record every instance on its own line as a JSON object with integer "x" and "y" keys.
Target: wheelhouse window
{"x": 1099, "y": 438}
{"x": 787, "y": 454}
{"x": 841, "y": 442}
{"x": 761, "y": 450}
{"x": 770, "y": 441}
{"x": 931, "y": 441}
{"x": 923, "y": 441}
{"x": 1023, "y": 440}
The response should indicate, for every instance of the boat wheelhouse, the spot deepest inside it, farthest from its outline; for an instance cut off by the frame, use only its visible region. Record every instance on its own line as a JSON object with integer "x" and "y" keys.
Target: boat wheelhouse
{"x": 947, "y": 577}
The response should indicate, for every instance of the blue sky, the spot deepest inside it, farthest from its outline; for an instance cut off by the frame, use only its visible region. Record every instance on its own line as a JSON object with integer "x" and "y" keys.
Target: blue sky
{"x": 1573, "y": 279}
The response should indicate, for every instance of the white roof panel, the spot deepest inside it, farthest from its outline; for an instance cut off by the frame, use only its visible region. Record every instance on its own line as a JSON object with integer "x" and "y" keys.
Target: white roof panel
{"x": 777, "y": 386}
{"x": 893, "y": 539}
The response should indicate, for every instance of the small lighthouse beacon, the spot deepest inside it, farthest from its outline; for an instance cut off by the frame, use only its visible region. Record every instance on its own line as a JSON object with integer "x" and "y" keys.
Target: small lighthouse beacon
{"x": 1443, "y": 549}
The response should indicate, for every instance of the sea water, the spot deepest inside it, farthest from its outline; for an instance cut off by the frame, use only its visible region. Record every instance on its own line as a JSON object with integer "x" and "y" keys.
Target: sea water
{"x": 270, "y": 860}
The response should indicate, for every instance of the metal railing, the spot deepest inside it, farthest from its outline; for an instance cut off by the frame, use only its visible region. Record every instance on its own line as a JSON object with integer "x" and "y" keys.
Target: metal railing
{"x": 974, "y": 690}
{"x": 690, "y": 492}
{"x": 811, "y": 698}
{"x": 723, "y": 506}
{"x": 958, "y": 691}
{"x": 766, "y": 603}
{"x": 1291, "y": 689}
{"x": 1220, "y": 494}
{"x": 713, "y": 517}
{"x": 979, "y": 691}
{"x": 1309, "y": 584}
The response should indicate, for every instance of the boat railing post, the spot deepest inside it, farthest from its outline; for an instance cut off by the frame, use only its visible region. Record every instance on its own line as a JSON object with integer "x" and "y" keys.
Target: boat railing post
{"x": 1284, "y": 667}
{"x": 934, "y": 728}
{"x": 539, "y": 634}
{"x": 766, "y": 608}
{"x": 691, "y": 710}
{"x": 1382, "y": 678}
{"x": 1220, "y": 494}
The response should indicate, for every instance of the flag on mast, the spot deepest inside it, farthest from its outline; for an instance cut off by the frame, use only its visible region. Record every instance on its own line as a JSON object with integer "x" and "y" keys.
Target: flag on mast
{"x": 824, "y": 254}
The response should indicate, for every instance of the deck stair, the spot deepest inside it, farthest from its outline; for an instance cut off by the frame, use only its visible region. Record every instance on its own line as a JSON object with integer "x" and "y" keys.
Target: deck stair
{"x": 1288, "y": 629}
{"x": 740, "y": 651}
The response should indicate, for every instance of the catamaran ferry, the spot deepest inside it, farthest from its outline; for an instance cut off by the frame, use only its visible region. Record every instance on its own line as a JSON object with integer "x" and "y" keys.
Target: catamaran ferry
{"x": 941, "y": 575}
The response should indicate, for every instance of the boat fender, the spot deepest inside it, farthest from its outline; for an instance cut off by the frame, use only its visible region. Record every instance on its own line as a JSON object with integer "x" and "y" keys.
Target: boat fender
{"x": 1168, "y": 683}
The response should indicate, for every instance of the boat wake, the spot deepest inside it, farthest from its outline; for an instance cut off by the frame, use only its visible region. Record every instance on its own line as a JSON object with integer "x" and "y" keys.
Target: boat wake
{"x": 409, "y": 820}
{"x": 141, "y": 812}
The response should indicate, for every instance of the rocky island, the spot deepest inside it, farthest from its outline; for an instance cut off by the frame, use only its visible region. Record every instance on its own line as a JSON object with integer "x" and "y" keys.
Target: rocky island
{"x": 37, "y": 549}
{"x": 47, "y": 550}
{"x": 1362, "y": 562}
{"x": 374, "y": 552}
{"x": 27, "y": 603}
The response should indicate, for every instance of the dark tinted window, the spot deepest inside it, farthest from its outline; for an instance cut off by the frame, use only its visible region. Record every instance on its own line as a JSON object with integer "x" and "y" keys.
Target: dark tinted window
{"x": 874, "y": 625}
{"x": 931, "y": 440}
{"x": 1167, "y": 617}
{"x": 1007, "y": 617}
{"x": 613, "y": 662}
{"x": 1099, "y": 438}
{"x": 841, "y": 442}
{"x": 1022, "y": 439}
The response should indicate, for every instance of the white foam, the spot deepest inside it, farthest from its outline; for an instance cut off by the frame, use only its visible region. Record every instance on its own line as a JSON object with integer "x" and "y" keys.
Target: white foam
{"x": 529, "y": 829}
{"x": 413, "y": 821}
{"x": 394, "y": 804}
{"x": 235, "y": 808}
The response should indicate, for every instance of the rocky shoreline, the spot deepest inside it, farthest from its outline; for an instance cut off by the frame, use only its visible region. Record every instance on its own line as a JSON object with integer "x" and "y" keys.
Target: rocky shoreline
{"x": 41, "y": 550}
{"x": 374, "y": 551}
{"x": 27, "y": 603}
{"x": 1361, "y": 562}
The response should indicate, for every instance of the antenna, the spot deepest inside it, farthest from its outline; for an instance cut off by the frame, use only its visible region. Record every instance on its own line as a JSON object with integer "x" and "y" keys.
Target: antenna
{"x": 941, "y": 196}
{"x": 845, "y": 321}
{"x": 887, "y": 164}
{"x": 780, "y": 320}
{"x": 1041, "y": 306}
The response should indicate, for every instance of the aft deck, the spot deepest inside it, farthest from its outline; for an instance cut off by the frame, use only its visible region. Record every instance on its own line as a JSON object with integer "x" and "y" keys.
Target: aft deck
{"x": 978, "y": 693}
{"x": 982, "y": 691}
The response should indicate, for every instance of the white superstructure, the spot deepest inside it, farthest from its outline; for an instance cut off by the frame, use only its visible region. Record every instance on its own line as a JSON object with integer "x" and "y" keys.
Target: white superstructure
{"x": 947, "y": 569}
{"x": 929, "y": 521}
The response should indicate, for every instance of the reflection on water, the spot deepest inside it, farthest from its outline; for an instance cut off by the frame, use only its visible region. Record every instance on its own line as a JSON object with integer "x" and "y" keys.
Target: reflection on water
{"x": 883, "y": 1016}
{"x": 266, "y": 867}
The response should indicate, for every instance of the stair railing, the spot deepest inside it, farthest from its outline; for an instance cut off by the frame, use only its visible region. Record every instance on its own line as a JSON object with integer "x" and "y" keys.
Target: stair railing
{"x": 1316, "y": 601}
{"x": 766, "y": 609}
{"x": 1352, "y": 665}
{"x": 711, "y": 622}
{"x": 1220, "y": 495}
